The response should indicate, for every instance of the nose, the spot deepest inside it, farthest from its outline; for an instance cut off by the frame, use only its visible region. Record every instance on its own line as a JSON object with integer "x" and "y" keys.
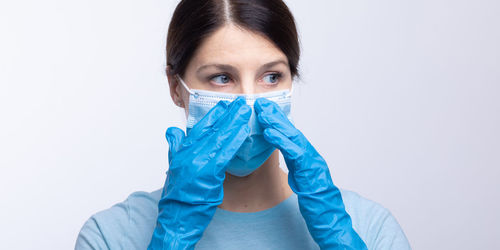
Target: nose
{"x": 247, "y": 86}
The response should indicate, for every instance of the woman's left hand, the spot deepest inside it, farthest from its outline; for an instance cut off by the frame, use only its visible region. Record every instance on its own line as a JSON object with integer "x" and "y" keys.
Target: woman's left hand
{"x": 320, "y": 201}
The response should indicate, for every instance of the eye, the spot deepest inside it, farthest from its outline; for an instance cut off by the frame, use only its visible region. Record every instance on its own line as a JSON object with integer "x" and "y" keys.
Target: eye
{"x": 272, "y": 78}
{"x": 220, "y": 79}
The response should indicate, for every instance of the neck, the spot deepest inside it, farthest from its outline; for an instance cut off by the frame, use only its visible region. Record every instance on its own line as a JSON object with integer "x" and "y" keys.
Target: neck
{"x": 264, "y": 188}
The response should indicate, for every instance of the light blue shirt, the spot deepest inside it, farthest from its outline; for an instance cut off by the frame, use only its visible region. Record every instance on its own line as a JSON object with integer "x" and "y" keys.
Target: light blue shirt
{"x": 130, "y": 225}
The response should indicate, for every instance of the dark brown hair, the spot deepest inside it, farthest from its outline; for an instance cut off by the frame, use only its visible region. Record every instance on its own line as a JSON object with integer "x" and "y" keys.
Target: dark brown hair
{"x": 194, "y": 20}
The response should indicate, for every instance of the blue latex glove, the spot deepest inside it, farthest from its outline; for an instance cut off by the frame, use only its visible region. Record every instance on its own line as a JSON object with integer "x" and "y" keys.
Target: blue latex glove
{"x": 320, "y": 201}
{"x": 193, "y": 188}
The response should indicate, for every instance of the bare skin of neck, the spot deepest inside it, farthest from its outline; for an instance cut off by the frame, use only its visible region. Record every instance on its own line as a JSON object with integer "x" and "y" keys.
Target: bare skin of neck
{"x": 264, "y": 188}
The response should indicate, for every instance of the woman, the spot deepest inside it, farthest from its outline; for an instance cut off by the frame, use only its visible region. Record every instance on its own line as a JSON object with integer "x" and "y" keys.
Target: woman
{"x": 230, "y": 65}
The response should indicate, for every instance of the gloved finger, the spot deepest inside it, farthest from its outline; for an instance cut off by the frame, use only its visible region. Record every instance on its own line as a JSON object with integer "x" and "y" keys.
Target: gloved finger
{"x": 205, "y": 124}
{"x": 236, "y": 115}
{"x": 233, "y": 108}
{"x": 288, "y": 148}
{"x": 231, "y": 146}
{"x": 212, "y": 153}
{"x": 174, "y": 138}
{"x": 231, "y": 133}
{"x": 270, "y": 115}
{"x": 235, "y": 118}
{"x": 208, "y": 120}
{"x": 212, "y": 156}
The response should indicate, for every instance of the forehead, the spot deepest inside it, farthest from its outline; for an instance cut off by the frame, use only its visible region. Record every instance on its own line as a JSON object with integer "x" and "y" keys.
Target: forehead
{"x": 237, "y": 46}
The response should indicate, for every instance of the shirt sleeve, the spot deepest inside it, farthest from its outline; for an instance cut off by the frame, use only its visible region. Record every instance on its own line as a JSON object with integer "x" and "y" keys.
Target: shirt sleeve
{"x": 90, "y": 237}
{"x": 125, "y": 225}
{"x": 390, "y": 235}
{"x": 374, "y": 223}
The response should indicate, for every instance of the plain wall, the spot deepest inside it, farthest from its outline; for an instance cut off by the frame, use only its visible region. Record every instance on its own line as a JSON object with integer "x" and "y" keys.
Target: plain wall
{"x": 400, "y": 97}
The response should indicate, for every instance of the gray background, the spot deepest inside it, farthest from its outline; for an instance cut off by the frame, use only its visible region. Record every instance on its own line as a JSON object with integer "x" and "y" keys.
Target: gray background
{"x": 400, "y": 97}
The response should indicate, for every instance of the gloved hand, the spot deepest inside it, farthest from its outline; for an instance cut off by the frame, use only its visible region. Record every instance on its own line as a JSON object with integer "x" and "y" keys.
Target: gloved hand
{"x": 193, "y": 188}
{"x": 320, "y": 201}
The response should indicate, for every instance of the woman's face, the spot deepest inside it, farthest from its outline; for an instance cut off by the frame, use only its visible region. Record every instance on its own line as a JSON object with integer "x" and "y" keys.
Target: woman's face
{"x": 233, "y": 60}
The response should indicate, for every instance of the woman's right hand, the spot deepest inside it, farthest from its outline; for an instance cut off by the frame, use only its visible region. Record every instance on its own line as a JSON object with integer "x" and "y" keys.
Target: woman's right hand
{"x": 197, "y": 165}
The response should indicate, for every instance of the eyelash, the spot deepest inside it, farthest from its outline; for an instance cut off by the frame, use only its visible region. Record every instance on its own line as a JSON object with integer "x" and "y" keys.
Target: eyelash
{"x": 278, "y": 74}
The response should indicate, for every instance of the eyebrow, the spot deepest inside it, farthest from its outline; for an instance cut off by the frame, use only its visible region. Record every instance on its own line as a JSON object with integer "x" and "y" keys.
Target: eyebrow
{"x": 228, "y": 67}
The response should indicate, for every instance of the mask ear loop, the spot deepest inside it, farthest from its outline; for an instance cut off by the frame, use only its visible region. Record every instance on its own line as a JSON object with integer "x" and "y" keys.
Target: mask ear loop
{"x": 291, "y": 91}
{"x": 185, "y": 86}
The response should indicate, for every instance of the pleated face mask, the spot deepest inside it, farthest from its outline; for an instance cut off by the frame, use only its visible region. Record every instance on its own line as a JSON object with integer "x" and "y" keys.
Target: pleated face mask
{"x": 255, "y": 150}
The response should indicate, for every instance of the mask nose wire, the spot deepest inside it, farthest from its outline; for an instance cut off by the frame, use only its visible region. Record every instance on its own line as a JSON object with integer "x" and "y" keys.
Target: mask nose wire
{"x": 184, "y": 84}
{"x": 291, "y": 90}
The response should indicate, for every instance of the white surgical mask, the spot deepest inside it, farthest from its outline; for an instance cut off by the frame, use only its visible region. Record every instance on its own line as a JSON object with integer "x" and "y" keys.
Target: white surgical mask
{"x": 255, "y": 149}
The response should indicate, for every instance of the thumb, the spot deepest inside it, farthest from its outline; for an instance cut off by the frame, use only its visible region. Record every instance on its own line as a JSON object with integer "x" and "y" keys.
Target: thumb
{"x": 174, "y": 137}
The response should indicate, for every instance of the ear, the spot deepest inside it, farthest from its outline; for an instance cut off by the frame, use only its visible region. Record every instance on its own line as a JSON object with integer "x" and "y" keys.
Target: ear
{"x": 175, "y": 88}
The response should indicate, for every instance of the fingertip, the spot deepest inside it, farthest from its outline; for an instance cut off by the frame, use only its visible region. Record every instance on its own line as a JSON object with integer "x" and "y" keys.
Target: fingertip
{"x": 240, "y": 99}
{"x": 263, "y": 104}
{"x": 262, "y": 100}
{"x": 214, "y": 113}
{"x": 262, "y": 118}
{"x": 173, "y": 131}
{"x": 174, "y": 135}
{"x": 240, "y": 108}
{"x": 258, "y": 104}
{"x": 236, "y": 103}
{"x": 223, "y": 103}
{"x": 245, "y": 111}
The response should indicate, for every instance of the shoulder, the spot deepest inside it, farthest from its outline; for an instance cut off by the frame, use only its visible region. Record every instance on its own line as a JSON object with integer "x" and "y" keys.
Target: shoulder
{"x": 374, "y": 223}
{"x": 114, "y": 227}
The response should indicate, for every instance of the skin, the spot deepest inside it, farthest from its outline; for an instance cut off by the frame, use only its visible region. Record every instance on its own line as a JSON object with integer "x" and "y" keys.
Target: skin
{"x": 249, "y": 55}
